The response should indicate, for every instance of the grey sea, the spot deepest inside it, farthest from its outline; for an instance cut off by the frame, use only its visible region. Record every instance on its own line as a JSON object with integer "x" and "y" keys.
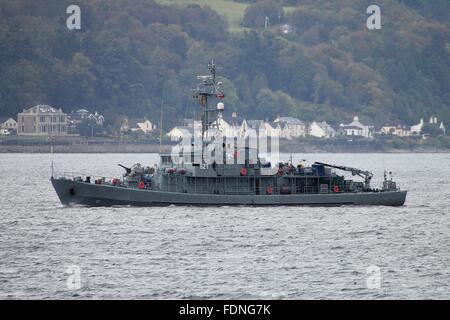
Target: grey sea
{"x": 48, "y": 251}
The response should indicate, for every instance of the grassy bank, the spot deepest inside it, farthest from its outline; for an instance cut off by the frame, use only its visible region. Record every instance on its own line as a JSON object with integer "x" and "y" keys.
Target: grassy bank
{"x": 233, "y": 11}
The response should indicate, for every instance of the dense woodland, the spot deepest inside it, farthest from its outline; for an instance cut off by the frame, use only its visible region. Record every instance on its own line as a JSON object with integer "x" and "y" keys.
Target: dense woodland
{"x": 133, "y": 56}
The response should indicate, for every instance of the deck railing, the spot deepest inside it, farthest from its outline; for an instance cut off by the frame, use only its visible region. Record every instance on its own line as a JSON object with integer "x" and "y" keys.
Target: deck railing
{"x": 213, "y": 186}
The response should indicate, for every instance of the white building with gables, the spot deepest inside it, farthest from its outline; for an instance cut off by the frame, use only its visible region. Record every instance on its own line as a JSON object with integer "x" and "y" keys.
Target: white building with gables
{"x": 356, "y": 129}
{"x": 321, "y": 130}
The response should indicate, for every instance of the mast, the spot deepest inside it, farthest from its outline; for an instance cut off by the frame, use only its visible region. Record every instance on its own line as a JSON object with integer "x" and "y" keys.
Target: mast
{"x": 161, "y": 122}
{"x": 206, "y": 92}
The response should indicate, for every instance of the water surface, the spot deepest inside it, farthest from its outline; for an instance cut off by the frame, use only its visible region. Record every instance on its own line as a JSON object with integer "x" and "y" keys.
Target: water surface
{"x": 223, "y": 252}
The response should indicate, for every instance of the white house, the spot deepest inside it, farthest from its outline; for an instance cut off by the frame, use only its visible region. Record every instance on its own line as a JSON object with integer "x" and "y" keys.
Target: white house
{"x": 290, "y": 127}
{"x": 321, "y": 130}
{"x": 97, "y": 117}
{"x": 272, "y": 131}
{"x": 247, "y": 125}
{"x": 351, "y": 131}
{"x": 398, "y": 130}
{"x": 145, "y": 126}
{"x": 79, "y": 115}
{"x": 417, "y": 129}
{"x": 8, "y": 124}
{"x": 261, "y": 127}
{"x": 356, "y": 128}
{"x": 181, "y": 132}
{"x": 442, "y": 127}
{"x": 139, "y": 125}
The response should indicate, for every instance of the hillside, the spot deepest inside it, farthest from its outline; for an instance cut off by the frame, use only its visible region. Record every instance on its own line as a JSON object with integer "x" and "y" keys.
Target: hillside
{"x": 132, "y": 55}
{"x": 232, "y": 11}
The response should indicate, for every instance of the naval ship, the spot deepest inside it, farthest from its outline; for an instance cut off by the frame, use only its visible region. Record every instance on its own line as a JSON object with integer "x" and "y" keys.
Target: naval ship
{"x": 190, "y": 175}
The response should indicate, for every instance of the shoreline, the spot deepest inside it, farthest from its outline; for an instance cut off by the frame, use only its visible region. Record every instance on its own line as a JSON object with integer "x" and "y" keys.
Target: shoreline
{"x": 17, "y": 144}
{"x": 155, "y": 148}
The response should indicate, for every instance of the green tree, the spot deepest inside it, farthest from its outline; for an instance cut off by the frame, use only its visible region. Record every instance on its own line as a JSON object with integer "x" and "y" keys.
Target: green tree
{"x": 89, "y": 128}
{"x": 256, "y": 13}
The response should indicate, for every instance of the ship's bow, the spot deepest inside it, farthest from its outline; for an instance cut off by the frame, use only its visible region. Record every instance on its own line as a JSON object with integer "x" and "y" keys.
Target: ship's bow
{"x": 64, "y": 189}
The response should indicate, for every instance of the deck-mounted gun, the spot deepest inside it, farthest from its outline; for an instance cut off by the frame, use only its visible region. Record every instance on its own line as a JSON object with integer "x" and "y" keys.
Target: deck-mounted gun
{"x": 366, "y": 175}
{"x": 128, "y": 170}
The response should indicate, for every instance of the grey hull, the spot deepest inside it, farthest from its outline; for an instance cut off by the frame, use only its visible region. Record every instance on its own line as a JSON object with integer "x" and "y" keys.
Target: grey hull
{"x": 74, "y": 192}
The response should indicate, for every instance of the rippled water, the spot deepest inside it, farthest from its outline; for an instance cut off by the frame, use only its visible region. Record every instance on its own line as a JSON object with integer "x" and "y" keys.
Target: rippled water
{"x": 225, "y": 252}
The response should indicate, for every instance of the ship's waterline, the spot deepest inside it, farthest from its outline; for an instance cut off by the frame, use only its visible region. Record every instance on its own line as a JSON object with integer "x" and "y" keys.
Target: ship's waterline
{"x": 78, "y": 192}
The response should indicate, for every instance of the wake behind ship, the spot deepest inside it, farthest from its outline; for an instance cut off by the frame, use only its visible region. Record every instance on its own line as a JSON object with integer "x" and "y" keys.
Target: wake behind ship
{"x": 214, "y": 170}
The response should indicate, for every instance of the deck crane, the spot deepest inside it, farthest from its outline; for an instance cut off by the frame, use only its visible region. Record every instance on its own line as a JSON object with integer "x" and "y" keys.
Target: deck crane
{"x": 366, "y": 175}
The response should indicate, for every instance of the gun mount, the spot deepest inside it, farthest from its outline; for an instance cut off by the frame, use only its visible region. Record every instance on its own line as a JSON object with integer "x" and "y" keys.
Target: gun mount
{"x": 128, "y": 170}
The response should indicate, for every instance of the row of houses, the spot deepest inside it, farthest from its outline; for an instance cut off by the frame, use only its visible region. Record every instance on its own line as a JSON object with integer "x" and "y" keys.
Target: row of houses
{"x": 282, "y": 127}
{"x": 290, "y": 128}
{"x": 44, "y": 120}
{"x": 415, "y": 130}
